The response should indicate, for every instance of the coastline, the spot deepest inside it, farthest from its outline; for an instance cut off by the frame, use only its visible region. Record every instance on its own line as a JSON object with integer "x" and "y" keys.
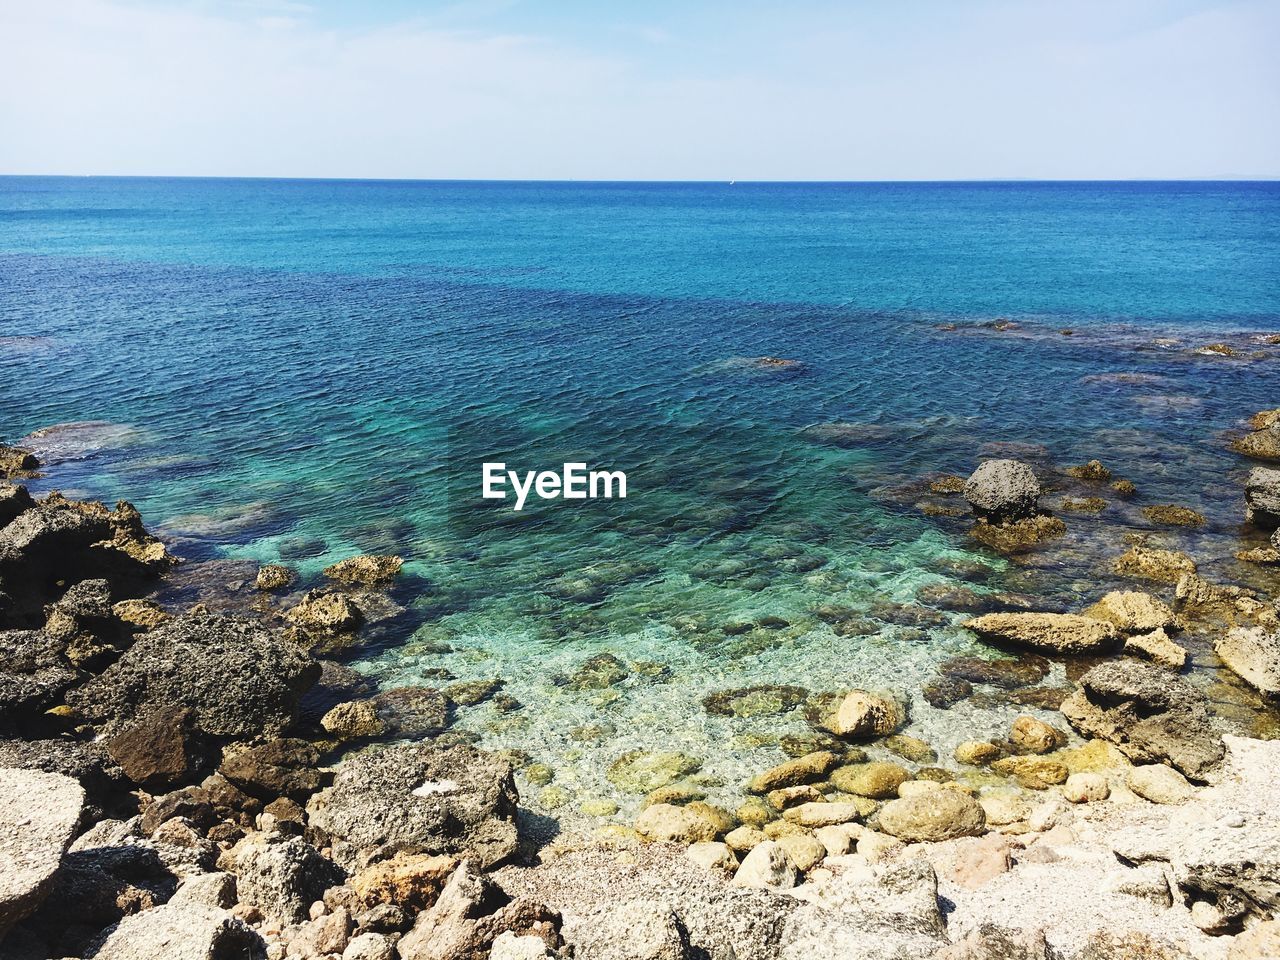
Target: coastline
{"x": 203, "y": 745}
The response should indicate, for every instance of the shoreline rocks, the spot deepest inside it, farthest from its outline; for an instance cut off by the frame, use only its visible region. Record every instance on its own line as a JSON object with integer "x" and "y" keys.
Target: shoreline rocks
{"x": 1056, "y": 633}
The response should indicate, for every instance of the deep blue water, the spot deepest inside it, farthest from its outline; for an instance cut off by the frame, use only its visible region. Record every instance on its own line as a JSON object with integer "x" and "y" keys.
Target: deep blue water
{"x": 301, "y": 370}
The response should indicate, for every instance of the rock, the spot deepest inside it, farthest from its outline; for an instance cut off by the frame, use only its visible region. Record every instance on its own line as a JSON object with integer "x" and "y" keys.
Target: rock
{"x": 17, "y": 462}
{"x": 1262, "y": 497}
{"x": 408, "y": 880}
{"x": 979, "y": 860}
{"x": 945, "y": 692}
{"x": 668, "y": 823}
{"x": 634, "y": 930}
{"x": 1086, "y": 788}
{"x": 767, "y": 865}
{"x": 1002, "y": 490}
{"x": 802, "y": 849}
{"x": 807, "y": 769}
{"x": 159, "y": 750}
{"x": 39, "y": 814}
{"x": 641, "y": 771}
{"x": 1174, "y": 516}
{"x": 238, "y": 679}
{"x": 1259, "y": 942}
{"x": 322, "y": 936}
{"x": 713, "y": 855}
{"x": 936, "y": 815}
{"x": 412, "y": 712}
{"x": 1018, "y": 536}
{"x": 353, "y": 720}
{"x": 277, "y": 768}
{"x": 1057, "y": 633}
{"x": 1151, "y": 715}
{"x": 1034, "y": 773}
{"x": 1254, "y": 655}
{"x": 1146, "y": 881}
{"x": 1259, "y": 444}
{"x": 977, "y": 753}
{"x": 1005, "y": 807}
{"x": 1091, "y": 472}
{"x": 823, "y": 814}
{"x": 786, "y": 797}
{"x": 34, "y": 673}
{"x": 990, "y": 941}
{"x": 273, "y": 576}
{"x": 282, "y": 876}
{"x": 207, "y": 890}
{"x": 14, "y": 499}
{"x": 1158, "y": 648}
{"x": 1147, "y": 563}
{"x": 1131, "y": 611}
{"x": 757, "y": 701}
{"x": 1160, "y": 783}
{"x": 374, "y": 946}
{"x": 1124, "y": 488}
{"x": 888, "y": 913}
{"x": 878, "y": 779}
{"x": 419, "y": 798}
{"x": 470, "y": 914}
{"x": 326, "y": 612}
{"x": 142, "y": 614}
{"x": 1024, "y": 671}
{"x": 180, "y": 932}
{"x": 367, "y": 570}
{"x": 1030, "y": 735}
{"x": 864, "y": 715}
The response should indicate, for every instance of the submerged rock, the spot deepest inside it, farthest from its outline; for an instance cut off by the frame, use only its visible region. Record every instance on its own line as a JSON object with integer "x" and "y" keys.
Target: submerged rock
{"x": 864, "y": 715}
{"x": 642, "y": 771}
{"x": 273, "y": 576}
{"x": 1147, "y": 563}
{"x": 1018, "y": 536}
{"x": 810, "y": 768}
{"x": 1263, "y": 441}
{"x": 1158, "y": 648}
{"x": 419, "y": 798}
{"x": 1091, "y": 472}
{"x": 1010, "y": 673}
{"x": 1003, "y": 490}
{"x": 757, "y": 701}
{"x": 1151, "y": 715}
{"x": 1174, "y": 515}
{"x": 1058, "y": 633}
{"x": 326, "y": 612}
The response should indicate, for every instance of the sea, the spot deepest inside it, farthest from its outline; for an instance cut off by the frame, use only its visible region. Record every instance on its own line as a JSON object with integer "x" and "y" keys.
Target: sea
{"x": 296, "y": 371}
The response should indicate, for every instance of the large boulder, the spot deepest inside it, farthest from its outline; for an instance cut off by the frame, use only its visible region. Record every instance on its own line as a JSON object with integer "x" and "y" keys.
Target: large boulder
{"x": 1003, "y": 490}
{"x": 419, "y": 798}
{"x": 1059, "y": 633}
{"x": 185, "y": 931}
{"x": 1254, "y": 654}
{"x": 1262, "y": 497}
{"x": 39, "y": 814}
{"x": 14, "y": 499}
{"x": 16, "y": 461}
{"x": 240, "y": 680}
{"x": 1261, "y": 443}
{"x": 1150, "y": 714}
{"x": 88, "y": 763}
{"x": 34, "y": 673}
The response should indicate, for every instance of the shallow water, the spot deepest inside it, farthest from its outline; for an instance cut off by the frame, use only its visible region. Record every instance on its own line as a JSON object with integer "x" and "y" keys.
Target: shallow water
{"x": 300, "y": 371}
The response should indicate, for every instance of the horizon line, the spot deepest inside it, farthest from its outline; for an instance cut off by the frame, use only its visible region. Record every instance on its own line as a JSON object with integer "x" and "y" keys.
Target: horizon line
{"x": 1260, "y": 178}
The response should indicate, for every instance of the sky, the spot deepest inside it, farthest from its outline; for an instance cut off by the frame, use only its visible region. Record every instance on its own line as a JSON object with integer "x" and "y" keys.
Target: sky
{"x": 661, "y": 90}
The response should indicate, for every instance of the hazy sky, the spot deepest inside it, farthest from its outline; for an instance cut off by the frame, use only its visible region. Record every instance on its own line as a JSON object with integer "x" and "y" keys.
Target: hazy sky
{"x": 807, "y": 89}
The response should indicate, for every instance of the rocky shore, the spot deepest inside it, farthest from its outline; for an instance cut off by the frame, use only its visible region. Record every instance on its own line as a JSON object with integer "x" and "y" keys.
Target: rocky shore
{"x": 190, "y": 783}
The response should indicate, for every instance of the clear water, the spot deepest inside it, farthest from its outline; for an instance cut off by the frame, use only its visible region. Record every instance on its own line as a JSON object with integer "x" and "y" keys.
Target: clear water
{"x": 302, "y": 370}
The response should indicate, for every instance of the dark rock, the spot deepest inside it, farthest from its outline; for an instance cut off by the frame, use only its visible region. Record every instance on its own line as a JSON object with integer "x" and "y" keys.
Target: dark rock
{"x": 192, "y": 804}
{"x": 469, "y": 693}
{"x": 413, "y": 712}
{"x": 239, "y": 679}
{"x": 758, "y": 701}
{"x": 1025, "y": 671}
{"x": 279, "y": 768}
{"x": 419, "y": 798}
{"x": 337, "y": 684}
{"x": 17, "y": 462}
{"x": 1003, "y": 490}
{"x": 1262, "y": 497}
{"x": 1150, "y": 714}
{"x": 14, "y": 499}
{"x": 945, "y": 692}
{"x": 598, "y": 672}
{"x": 159, "y": 750}
{"x": 34, "y": 674}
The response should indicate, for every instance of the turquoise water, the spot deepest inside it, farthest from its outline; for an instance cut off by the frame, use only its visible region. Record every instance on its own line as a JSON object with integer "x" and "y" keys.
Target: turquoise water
{"x": 301, "y": 370}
